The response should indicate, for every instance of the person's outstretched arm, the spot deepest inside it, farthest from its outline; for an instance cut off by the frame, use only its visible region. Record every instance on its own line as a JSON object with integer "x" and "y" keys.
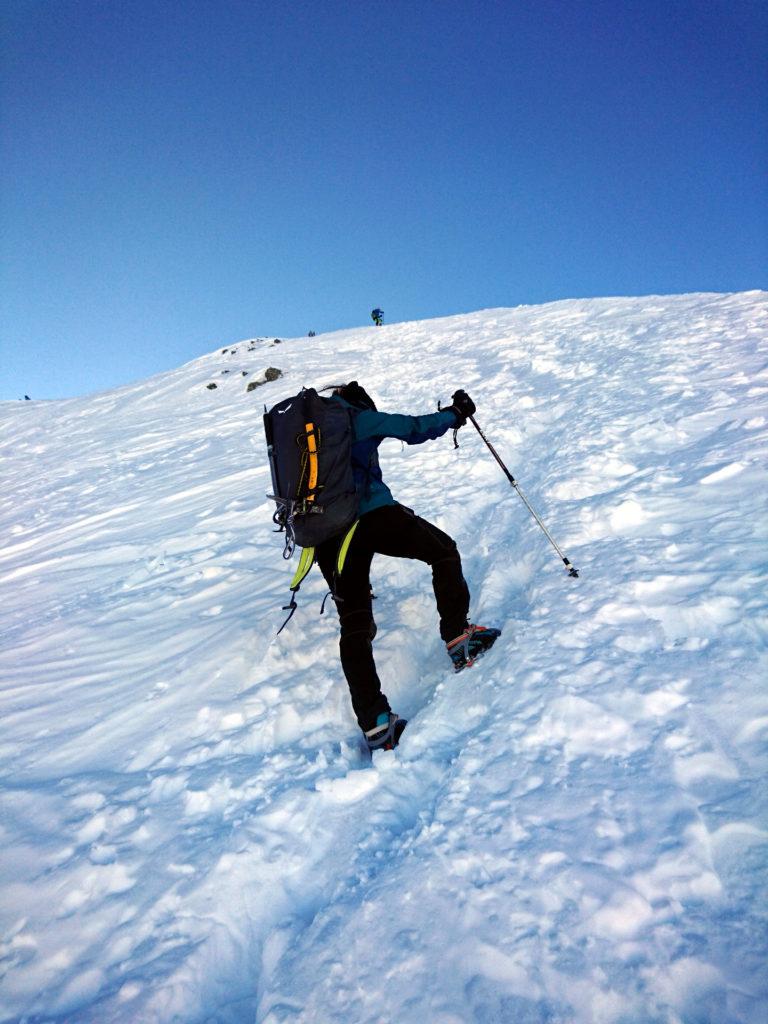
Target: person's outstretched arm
{"x": 411, "y": 429}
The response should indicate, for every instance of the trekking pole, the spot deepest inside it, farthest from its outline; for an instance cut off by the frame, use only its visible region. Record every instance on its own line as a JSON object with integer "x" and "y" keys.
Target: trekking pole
{"x": 571, "y": 570}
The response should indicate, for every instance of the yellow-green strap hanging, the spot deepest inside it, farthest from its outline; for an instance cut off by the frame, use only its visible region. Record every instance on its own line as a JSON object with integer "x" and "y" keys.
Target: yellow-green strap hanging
{"x": 344, "y": 548}
{"x": 305, "y": 564}
{"x": 307, "y": 558}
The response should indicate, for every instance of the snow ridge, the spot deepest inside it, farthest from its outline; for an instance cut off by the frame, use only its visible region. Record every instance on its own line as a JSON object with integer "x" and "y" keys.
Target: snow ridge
{"x": 574, "y": 831}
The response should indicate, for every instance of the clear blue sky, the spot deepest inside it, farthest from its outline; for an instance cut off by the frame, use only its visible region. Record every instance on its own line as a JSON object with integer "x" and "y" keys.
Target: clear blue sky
{"x": 181, "y": 175}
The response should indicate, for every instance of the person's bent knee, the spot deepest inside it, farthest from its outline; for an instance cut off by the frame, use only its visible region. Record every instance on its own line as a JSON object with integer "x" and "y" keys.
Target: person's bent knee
{"x": 441, "y": 547}
{"x": 357, "y": 623}
{"x": 448, "y": 558}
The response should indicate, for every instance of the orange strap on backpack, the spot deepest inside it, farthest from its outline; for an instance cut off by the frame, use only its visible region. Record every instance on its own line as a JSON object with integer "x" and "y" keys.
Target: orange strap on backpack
{"x": 312, "y": 449}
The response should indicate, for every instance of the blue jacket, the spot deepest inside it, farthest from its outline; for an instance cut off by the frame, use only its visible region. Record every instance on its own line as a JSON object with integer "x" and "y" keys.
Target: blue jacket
{"x": 369, "y": 429}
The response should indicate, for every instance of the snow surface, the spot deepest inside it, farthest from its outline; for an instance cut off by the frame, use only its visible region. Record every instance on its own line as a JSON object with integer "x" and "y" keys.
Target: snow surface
{"x": 573, "y": 831}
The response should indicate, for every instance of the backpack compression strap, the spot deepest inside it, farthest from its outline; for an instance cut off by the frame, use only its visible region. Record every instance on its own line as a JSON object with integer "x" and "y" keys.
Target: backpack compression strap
{"x": 299, "y": 505}
{"x": 312, "y": 451}
{"x": 308, "y": 461}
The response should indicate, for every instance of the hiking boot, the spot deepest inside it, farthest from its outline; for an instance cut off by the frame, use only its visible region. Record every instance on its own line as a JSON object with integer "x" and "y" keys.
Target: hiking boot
{"x": 464, "y": 650}
{"x": 385, "y": 735}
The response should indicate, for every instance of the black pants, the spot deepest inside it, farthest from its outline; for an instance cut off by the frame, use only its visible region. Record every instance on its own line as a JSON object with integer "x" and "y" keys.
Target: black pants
{"x": 390, "y": 530}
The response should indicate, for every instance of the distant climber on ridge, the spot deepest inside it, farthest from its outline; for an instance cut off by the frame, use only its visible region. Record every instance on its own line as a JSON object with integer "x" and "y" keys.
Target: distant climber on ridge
{"x": 377, "y": 315}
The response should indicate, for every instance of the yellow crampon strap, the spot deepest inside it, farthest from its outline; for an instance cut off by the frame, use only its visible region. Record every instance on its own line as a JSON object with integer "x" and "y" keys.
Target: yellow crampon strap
{"x": 305, "y": 564}
{"x": 344, "y": 547}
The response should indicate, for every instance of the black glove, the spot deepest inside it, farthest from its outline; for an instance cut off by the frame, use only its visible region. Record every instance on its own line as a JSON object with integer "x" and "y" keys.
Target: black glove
{"x": 463, "y": 406}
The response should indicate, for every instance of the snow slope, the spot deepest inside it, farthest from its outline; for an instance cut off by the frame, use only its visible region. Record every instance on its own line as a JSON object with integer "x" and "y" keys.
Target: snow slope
{"x": 574, "y": 831}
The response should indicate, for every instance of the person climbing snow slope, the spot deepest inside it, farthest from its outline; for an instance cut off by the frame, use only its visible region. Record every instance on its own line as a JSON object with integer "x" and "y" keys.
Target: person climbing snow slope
{"x": 386, "y": 527}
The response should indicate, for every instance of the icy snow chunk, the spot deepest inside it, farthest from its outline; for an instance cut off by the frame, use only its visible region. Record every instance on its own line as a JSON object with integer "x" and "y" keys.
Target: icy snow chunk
{"x": 166, "y": 787}
{"x": 128, "y": 991}
{"x": 102, "y": 854}
{"x": 597, "y": 476}
{"x": 181, "y": 869}
{"x": 724, "y": 474}
{"x": 96, "y": 885}
{"x": 753, "y": 729}
{"x": 690, "y": 770}
{"x": 82, "y": 989}
{"x": 491, "y": 962}
{"x": 89, "y": 801}
{"x": 661, "y": 702}
{"x": 701, "y": 619}
{"x": 214, "y": 800}
{"x": 685, "y": 980}
{"x": 94, "y": 828}
{"x": 351, "y": 787}
{"x": 582, "y": 727}
{"x": 234, "y": 720}
{"x": 626, "y": 914}
{"x": 17, "y": 946}
{"x": 552, "y": 858}
{"x": 627, "y": 515}
{"x": 124, "y": 816}
{"x": 637, "y": 643}
{"x": 682, "y": 873}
